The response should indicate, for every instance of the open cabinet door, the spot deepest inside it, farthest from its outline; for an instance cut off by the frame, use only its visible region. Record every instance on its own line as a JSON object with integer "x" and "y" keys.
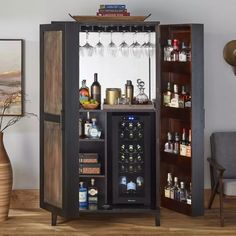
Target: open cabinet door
{"x": 58, "y": 118}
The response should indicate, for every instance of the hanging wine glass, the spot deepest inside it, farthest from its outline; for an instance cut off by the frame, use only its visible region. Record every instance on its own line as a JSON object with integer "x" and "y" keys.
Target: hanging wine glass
{"x": 124, "y": 47}
{"x": 99, "y": 48}
{"x": 143, "y": 46}
{"x": 112, "y": 48}
{"x": 87, "y": 49}
{"x": 150, "y": 47}
{"x": 135, "y": 47}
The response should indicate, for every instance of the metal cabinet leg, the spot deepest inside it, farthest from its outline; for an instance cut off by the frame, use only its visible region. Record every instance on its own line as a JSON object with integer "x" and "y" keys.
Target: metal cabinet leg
{"x": 54, "y": 219}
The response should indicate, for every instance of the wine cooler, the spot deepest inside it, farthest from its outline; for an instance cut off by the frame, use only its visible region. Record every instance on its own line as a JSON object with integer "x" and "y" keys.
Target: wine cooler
{"x": 131, "y": 158}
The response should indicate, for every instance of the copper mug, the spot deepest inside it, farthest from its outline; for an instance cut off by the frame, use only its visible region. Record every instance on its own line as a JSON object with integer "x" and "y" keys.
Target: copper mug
{"x": 112, "y": 96}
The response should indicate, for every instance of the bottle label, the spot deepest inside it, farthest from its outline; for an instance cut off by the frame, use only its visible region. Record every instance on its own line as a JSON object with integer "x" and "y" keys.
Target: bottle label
{"x": 182, "y": 57}
{"x": 188, "y": 151}
{"x": 131, "y": 186}
{"x": 167, "y": 193}
{"x": 172, "y": 194}
{"x": 182, "y": 149}
{"x": 166, "y": 99}
{"x": 174, "y": 102}
{"x": 92, "y": 192}
{"x": 87, "y": 126}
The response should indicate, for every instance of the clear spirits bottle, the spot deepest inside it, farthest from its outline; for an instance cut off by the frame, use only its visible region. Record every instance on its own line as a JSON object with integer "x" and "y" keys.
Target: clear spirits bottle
{"x": 183, "y": 53}
{"x": 87, "y": 125}
{"x": 182, "y": 192}
{"x": 189, "y": 194}
{"x": 175, "y": 190}
{"x": 167, "y": 50}
{"x": 93, "y": 131}
{"x": 167, "y": 95}
{"x": 168, "y": 185}
{"x": 182, "y": 146}
{"x": 83, "y": 203}
{"x": 169, "y": 146}
{"x": 174, "y": 102}
{"x": 176, "y": 143}
{"x": 175, "y": 51}
{"x": 182, "y": 97}
{"x": 93, "y": 196}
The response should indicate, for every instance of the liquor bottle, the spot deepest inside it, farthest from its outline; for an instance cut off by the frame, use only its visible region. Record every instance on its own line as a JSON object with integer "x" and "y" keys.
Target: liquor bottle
{"x": 182, "y": 146}
{"x": 188, "y": 146}
{"x": 123, "y": 184}
{"x": 188, "y": 50}
{"x": 169, "y": 147}
{"x": 83, "y": 92}
{"x": 87, "y": 125}
{"x": 81, "y": 128}
{"x": 131, "y": 187}
{"x": 92, "y": 196}
{"x": 167, "y": 50}
{"x": 176, "y": 143}
{"x": 83, "y": 203}
{"x": 182, "y": 192}
{"x": 174, "y": 192}
{"x": 96, "y": 90}
{"x": 189, "y": 194}
{"x": 168, "y": 185}
{"x": 183, "y": 53}
{"x": 182, "y": 97}
{"x": 174, "y": 102}
{"x": 167, "y": 96}
{"x": 188, "y": 100}
{"x": 175, "y": 51}
{"x": 93, "y": 131}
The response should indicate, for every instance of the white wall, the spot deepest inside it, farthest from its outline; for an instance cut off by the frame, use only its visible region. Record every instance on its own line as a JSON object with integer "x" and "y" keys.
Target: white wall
{"x": 21, "y": 19}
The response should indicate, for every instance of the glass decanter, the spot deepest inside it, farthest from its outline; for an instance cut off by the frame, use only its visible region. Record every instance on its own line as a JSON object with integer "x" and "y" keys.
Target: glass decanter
{"x": 141, "y": 98}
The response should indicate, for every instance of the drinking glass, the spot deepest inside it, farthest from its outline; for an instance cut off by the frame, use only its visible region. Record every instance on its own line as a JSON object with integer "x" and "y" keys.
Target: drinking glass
{"x": 124, "y": 47}
{"x": 87, "y": 49}
{"x": 150, "y": 47}
{"x": 135, "y": 47}
{"x": 112, "y": 48}
{"x": 99, "y": 48}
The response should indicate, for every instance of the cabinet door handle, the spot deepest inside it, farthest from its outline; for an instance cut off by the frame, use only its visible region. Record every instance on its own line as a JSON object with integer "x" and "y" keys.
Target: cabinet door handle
{"x": 61, "y": 121}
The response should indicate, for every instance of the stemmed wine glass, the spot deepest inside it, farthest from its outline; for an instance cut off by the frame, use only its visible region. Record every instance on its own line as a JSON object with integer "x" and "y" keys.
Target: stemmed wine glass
{"x": 99, "y": 48}
{"x": 112, "y": 48}
{"x": 135, "y": 47}
{"x": 87, "y": 48}
{"x": 124, "y": 47}
{"x": 150, "y": 47}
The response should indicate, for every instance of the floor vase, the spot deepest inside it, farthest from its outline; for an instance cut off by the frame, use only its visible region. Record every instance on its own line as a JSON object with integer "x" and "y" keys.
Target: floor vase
{"x": 5, "y": 181}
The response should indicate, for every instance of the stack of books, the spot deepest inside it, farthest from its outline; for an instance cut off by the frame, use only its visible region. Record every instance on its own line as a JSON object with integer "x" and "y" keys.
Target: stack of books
{"x": 113, "y": 10}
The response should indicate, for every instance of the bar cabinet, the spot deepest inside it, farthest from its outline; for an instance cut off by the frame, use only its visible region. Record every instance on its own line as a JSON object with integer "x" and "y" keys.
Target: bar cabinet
{"x": 146, "y": 163}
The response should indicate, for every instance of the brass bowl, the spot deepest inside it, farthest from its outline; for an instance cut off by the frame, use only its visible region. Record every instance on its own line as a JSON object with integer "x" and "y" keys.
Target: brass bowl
{"x": 90, "y": 105}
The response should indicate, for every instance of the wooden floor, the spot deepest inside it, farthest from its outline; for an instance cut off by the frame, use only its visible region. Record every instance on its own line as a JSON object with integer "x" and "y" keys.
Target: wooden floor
{"x": 37, "y": 222}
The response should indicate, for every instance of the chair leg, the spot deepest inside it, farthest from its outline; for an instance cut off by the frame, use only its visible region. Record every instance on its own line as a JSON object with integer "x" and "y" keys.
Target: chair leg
{"x": 213, "y": 193}
{"x": 221, "y": 204}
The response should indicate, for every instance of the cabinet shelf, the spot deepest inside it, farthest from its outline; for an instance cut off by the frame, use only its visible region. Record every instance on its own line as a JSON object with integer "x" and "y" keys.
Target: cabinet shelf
{"x": 176, "y": 67}
{"x": 92, "y": 176}
{"x": 91, "y": 140}
{"x": 175, "y": 159}
{"x": 176, "y": 205}
{"x": 90, "y": 110}
{"x": 176, "y": 113}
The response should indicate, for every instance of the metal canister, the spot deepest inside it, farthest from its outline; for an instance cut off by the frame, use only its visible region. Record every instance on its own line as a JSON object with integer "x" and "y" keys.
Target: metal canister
{"x": 112, "y": 95}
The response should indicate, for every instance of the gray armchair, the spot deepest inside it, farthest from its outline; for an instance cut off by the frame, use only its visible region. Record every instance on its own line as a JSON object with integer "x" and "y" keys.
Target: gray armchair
{"x": 223, "y": 168}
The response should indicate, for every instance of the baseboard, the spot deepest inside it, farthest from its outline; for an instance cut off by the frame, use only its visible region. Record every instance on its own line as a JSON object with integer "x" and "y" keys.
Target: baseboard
{"x": 29, "y": 199}
{"x": 25, "y": 199}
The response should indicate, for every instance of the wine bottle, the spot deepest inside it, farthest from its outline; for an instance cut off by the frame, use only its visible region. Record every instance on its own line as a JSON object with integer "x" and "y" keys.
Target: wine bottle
{"x": 96, "y": 90}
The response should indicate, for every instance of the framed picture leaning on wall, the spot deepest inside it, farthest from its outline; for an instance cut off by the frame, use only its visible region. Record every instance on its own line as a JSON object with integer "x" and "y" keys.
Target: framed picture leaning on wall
{"x": 11, "y": 77}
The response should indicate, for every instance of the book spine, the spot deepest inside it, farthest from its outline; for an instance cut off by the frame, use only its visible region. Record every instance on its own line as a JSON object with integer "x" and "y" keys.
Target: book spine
{"x": 113, "y": 14}
{"x": 112, "y": 10}
{"x": 113, "y": 6}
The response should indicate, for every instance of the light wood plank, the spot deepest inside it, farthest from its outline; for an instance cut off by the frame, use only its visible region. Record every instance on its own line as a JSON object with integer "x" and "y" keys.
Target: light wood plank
{"x": 37, "y": 222}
